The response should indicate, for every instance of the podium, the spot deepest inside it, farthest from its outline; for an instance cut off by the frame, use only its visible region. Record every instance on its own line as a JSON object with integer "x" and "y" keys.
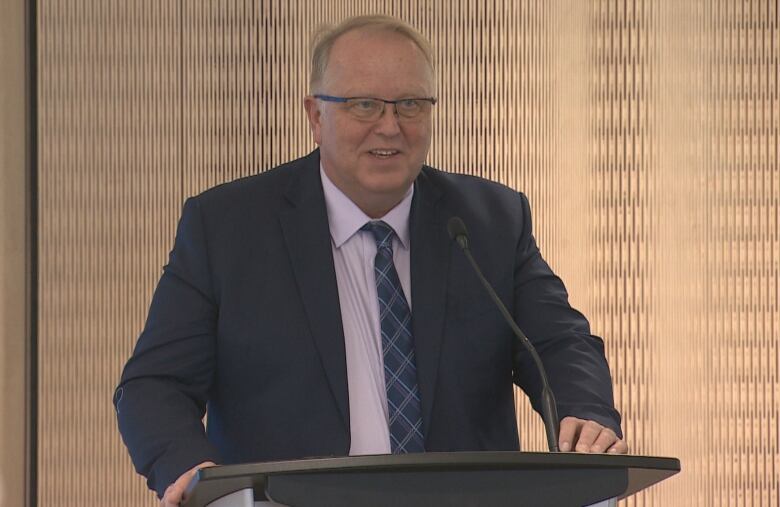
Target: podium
{"x": 456, "y": 479}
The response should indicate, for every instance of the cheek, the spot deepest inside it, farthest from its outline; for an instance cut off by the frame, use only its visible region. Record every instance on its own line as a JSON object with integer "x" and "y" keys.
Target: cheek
{"x": 419, "y": 139}
{"x": 348, "y": 137}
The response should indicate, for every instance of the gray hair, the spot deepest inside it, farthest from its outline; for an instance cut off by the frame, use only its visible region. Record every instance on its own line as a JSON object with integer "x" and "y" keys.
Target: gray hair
{"x": 326, "y": 36}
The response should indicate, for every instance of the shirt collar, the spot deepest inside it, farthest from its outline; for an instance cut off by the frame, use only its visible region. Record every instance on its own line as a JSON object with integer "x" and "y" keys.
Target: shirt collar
{"x": 345, "y": 218}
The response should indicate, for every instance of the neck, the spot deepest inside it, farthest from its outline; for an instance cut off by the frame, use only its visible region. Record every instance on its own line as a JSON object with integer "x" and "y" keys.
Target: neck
{"x": 374, "y": 204}
{"x": 376, "y": 210}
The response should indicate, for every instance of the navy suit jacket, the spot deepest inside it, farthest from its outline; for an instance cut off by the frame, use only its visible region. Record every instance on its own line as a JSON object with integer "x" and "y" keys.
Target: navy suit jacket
{"x": 246, "y": 320}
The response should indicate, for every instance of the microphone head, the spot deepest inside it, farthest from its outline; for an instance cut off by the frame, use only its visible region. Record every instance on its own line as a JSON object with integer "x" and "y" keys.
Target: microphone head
{"x": 457, "y": 231}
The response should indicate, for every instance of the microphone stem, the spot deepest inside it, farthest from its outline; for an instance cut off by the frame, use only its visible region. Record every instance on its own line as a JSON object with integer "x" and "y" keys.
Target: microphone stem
{"x": 548, "y": 406}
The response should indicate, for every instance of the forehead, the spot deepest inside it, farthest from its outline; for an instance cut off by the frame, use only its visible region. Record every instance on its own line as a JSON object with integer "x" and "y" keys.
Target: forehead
{"x": 377, "y": 62}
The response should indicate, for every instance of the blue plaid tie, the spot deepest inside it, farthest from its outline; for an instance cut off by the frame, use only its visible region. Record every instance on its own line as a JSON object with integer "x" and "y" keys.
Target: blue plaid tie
{"x": 395, "y": 319}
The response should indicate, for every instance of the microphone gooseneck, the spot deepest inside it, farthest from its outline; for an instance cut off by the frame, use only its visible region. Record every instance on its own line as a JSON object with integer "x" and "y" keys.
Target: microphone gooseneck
{"x": 457, "y": 231}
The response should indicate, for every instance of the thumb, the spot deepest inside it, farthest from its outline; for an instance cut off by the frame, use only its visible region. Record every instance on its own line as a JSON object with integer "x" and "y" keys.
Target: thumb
{"x": 190, "y": 474}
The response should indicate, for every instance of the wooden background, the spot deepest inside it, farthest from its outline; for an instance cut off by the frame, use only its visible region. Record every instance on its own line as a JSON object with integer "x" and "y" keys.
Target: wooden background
{"x": 645, "y": 133}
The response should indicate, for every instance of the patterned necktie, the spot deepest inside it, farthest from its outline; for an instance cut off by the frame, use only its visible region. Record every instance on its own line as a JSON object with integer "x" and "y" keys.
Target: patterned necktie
{"x": 395, "y": 319}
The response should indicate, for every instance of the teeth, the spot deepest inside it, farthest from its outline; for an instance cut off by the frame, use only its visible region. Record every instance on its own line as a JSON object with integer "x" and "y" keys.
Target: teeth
{"x": 384, "y": 152}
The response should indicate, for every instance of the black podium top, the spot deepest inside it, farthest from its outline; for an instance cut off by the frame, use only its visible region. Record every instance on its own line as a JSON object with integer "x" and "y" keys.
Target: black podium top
{"x": 465, "y": 478}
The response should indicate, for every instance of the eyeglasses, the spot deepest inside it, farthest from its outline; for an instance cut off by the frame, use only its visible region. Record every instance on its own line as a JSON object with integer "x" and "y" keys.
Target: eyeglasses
{"x": 371, "y": 109}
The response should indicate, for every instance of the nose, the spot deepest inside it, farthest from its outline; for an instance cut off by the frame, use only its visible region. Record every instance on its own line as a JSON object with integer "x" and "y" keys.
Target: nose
{"x": 387, "y": 124}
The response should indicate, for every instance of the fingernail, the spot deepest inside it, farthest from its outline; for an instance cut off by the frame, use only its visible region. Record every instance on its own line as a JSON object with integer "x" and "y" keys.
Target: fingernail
{"x": 565, "y": 446}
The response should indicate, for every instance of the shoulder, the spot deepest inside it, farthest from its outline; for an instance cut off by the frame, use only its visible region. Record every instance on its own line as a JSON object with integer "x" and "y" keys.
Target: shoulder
{"x": 482, "y": 200}
{"x": 266, "y": 187}
{"x": 258, "y": 197}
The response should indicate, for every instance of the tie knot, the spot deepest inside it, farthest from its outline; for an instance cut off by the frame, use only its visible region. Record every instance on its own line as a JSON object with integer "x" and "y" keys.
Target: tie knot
{"x": 383, "y": 234}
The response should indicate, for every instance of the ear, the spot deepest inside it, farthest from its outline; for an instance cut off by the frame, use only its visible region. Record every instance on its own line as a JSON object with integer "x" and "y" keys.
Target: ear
{"x": 313, "y": 113}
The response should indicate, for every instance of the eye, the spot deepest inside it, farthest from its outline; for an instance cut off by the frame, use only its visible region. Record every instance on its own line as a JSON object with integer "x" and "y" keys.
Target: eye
{"x": 409, "y": 107}
{"x": 364, "y": 105}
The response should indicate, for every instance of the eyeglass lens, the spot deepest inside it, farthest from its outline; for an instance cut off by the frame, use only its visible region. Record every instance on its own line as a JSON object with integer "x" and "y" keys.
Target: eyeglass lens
{"x": 372, "y": 109}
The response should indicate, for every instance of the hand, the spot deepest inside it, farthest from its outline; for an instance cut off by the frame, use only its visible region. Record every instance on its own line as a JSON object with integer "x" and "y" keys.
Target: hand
{"x": 174, "y": 495}
{"x": 589, "y": 436}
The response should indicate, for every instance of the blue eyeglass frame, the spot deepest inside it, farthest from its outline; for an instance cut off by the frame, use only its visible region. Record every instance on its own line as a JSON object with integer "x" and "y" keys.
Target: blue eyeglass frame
{"x": 331, "y": 98}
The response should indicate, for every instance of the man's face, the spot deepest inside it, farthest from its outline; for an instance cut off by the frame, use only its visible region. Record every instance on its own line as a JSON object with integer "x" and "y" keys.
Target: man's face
{"x": 385, "y": 65}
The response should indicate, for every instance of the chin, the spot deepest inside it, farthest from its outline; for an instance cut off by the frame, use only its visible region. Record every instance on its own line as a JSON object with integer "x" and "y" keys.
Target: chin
{"x": 388, "y": 180}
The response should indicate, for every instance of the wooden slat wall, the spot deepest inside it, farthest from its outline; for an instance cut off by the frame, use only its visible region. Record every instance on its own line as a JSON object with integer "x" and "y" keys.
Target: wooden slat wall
{"x": 110, "y": 193}
{"x": 646, "y": 135}
{"x": 622, "y": 188}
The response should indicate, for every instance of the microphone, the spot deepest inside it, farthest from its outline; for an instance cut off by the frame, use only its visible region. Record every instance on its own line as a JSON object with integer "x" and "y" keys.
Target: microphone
{"x": 457, "y": 231}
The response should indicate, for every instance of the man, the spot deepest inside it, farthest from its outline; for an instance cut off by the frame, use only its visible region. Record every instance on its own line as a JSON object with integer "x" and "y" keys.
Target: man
{"x": 320, "y": 308}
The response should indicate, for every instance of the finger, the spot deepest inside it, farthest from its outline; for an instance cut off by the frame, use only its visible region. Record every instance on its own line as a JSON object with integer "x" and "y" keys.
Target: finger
{"x": 588, "y": 435}
{"x": 604, "y": 441}
{"x": 619, "y": 447}
{"x": 173, "y": 496}
{"x": 568, "y": 434}
{"x": 190, "y": 476}
{"x": 169, "y": 498}
{"x": 164, "y": 499}
{"x": 179, "y": 494}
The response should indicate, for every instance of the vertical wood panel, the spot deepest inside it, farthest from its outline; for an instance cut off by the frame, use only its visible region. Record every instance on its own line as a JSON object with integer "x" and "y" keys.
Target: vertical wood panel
{"x": 623, "y": 165}
{"x": 110, "y": 194}
{"x": 718, "y": 194}
{"x": 646, "y": 135}
{"x": 16, "y": 253}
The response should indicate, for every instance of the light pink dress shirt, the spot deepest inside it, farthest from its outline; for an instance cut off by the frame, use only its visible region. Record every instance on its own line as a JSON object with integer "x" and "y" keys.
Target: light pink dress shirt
{"x": 353, "y": 257}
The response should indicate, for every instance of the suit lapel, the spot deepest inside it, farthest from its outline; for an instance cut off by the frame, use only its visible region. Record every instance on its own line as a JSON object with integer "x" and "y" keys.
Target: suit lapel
{"x": 430, "y": 257}
{"x": 307, "y": 237}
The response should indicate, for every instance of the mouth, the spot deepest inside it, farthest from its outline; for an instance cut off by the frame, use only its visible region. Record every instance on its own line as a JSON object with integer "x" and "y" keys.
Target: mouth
{"x": 384, "y": 154}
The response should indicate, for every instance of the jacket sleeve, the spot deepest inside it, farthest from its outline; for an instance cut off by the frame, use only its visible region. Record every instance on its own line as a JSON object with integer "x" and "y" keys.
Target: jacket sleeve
{"x": 573, "y": 357}
{"x": 161, "y": 398}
